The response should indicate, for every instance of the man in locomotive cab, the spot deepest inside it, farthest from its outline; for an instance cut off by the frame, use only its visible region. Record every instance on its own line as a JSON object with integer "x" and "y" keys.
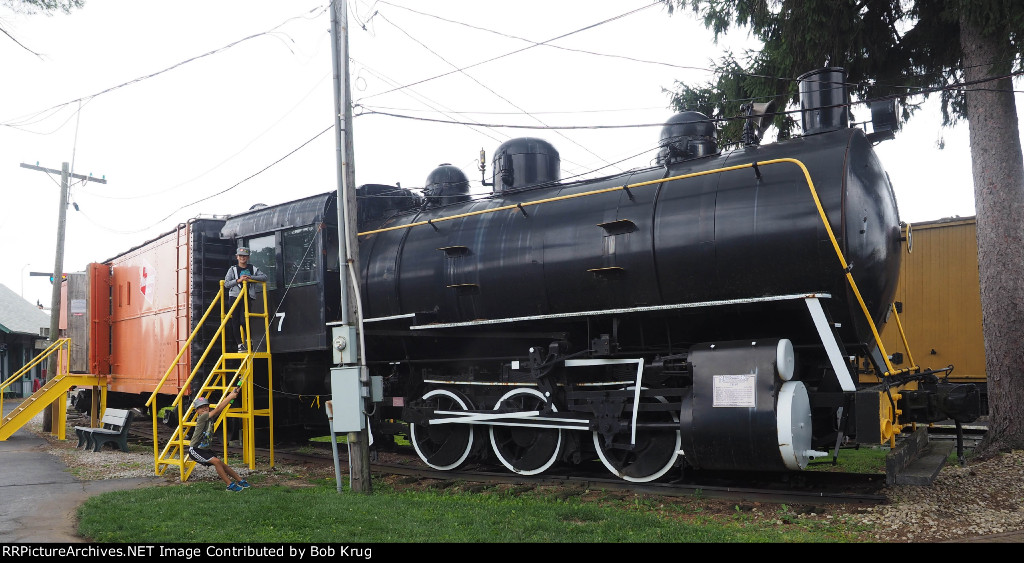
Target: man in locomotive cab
{"x": 237, "y": 274}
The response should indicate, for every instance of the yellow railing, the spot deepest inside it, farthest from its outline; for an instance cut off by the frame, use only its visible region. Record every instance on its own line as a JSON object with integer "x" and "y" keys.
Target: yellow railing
{"x": 903, "y": 336}
{"x": 53, "y": 393}
{"x": 62, "y": 367}
{"x": 220, "y": 378}
{"x": 218, "y": 301}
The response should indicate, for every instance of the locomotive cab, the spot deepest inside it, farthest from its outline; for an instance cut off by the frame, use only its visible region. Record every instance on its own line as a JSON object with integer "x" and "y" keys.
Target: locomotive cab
{"x": 296, "y": 245}
{"x": 292, "y": 243}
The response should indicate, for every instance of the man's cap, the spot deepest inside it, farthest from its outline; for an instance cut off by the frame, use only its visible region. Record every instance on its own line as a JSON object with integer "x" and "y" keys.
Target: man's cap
{"x": 200, "y": 402}
{"x": 242, "y": 251}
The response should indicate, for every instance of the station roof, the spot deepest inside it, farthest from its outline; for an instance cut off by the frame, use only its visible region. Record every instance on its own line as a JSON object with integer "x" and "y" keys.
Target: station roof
{"x": 18, "y": 316}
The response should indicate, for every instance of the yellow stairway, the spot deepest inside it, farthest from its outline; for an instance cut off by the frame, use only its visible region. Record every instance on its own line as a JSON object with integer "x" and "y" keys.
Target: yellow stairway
{"x": 221, "y": 380}
{"x": 54, "y": 392}
{"x": 233, "y": 369}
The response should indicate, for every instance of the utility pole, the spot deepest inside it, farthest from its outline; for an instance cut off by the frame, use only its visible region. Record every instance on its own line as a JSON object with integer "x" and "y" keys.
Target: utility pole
{"x": 351, "y": 378}
{"x": 58, "y": 267}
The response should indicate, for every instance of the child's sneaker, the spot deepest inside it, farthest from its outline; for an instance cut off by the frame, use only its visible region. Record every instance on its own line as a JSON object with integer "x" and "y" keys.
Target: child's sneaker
{"x": 234, "y": 487}
{"x": 245, "y": 484}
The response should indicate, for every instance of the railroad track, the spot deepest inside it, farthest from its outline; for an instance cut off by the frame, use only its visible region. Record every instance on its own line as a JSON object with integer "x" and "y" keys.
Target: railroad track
{"x": 972, "y": 434}
{"x": 806, "y": 488}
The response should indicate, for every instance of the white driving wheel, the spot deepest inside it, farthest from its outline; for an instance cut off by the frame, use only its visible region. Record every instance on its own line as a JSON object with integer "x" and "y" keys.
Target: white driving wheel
{"x": 653, "y": 454}
{"x": 527, "y": 449}
{"x": 443, "y": 446}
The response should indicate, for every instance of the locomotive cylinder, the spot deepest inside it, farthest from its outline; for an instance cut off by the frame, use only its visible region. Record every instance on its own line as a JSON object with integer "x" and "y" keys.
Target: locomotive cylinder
{"x": 743, "y": 413}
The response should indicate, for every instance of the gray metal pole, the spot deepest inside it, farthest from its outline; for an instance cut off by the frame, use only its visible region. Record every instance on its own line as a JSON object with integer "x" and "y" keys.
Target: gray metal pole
{"x": 334, "y": 446}
{"x": 342, "y": 139}
{"x": 359, "y": 457}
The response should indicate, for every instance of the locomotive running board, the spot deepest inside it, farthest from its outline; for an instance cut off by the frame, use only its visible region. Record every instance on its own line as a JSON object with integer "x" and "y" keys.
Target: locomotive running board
{"x": 603, "y": 312}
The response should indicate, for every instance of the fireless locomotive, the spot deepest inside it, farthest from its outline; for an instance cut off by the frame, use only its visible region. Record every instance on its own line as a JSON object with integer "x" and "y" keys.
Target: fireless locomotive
{"x": 711, "y": 311}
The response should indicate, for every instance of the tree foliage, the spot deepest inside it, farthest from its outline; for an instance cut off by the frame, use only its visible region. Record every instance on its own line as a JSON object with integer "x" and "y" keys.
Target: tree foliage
{"x": 890, "y": 50}
{"x": 31, "y": 7}
{"x": 45, "y": 6}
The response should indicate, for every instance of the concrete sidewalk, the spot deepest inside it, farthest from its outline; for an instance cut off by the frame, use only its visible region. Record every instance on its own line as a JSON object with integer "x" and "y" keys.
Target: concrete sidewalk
{"x": 39, "y": 496}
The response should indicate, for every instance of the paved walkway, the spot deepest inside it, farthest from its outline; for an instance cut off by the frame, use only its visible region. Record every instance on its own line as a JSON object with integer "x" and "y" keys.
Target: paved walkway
{"x": 39, "y": 496}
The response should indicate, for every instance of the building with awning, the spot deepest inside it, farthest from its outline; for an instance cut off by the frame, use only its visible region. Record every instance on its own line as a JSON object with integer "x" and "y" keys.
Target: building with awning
{"x": 22, "y": 329}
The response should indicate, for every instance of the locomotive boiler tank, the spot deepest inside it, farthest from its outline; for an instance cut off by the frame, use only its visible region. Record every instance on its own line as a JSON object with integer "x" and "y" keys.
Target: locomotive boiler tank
{"x": 681, "y": 235}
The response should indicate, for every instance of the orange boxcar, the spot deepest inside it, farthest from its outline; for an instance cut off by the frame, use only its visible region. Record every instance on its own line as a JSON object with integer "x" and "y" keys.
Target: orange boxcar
{"x": 143, "y": 304}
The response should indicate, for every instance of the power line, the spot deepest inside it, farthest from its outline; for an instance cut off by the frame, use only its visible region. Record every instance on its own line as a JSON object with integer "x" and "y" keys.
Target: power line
{"x": 413, "y": 94}
{"x": 489, "y": 89}
{"x": 545, "y": 44}
{"x": 251, "y": 176}
{"x": 492, "y": 59}
{"x": 235, "y": 185}
{"x": 16, "y": 122}
{"x": 53, "y": 110}
{"x": 473, "y": 112}
{"x": 923, "y": 91}
{"x": 222, "y": 162}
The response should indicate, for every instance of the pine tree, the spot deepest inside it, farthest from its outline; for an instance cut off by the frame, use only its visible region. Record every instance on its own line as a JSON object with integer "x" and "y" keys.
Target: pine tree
{"x": 35, "y": 7}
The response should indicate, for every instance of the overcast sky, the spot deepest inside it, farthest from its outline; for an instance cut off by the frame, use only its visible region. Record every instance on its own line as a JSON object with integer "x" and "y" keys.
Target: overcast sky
{"x": 195, "y": 108}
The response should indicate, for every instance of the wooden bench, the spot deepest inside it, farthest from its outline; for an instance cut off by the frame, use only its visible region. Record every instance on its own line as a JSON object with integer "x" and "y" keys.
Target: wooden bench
{"x": 113, "y": 428}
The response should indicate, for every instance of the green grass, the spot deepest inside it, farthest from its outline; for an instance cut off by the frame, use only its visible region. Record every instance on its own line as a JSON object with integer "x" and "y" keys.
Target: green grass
{"x": 869, "y": 459}
{"x": 343, "y": 439}
{"x": 339, "y": 438}
{"x": 205, "y": 512}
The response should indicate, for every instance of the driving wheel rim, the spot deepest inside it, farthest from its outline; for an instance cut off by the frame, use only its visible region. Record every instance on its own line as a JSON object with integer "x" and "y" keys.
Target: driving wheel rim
{"x": 443, "y": 446}
{"x": 525, "y": 450}
{"x": 655, "y": 454}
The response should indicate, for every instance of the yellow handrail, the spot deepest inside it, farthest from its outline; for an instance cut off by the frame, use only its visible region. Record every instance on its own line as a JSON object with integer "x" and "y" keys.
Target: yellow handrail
{"x": 810, "y": 185}
{"x": 54, "y": 347}
{"x": 842, "y": 259}
{"x": 220, "y": 378}
{"x": 218, "y": 300}
{"x": 903, "y": 336}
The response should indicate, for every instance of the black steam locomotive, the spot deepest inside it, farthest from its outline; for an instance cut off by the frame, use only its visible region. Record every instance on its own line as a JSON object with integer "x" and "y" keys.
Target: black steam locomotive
{"x": 711, "y": 311}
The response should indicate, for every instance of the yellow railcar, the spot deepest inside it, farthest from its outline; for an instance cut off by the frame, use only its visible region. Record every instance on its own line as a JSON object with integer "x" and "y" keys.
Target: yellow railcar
{"x": 941, "y": 301}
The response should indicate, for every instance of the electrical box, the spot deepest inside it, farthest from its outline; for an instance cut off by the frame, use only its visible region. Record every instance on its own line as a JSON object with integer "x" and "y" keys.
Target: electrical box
{"x": 347, "y": 397}
{"x": 344, "y": 344}
{"x": 377, "y": 388}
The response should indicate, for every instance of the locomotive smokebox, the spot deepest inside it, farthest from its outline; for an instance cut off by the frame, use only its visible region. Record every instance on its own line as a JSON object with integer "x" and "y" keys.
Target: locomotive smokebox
{"x": 823, "y": 103}
{"x": 523, "y": 162}
{"x": 446, "y": 184}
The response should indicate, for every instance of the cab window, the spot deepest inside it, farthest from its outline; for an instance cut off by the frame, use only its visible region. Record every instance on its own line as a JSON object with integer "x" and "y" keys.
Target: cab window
{"x": 301, "y": 256}
{"x": 262, "y": 255}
